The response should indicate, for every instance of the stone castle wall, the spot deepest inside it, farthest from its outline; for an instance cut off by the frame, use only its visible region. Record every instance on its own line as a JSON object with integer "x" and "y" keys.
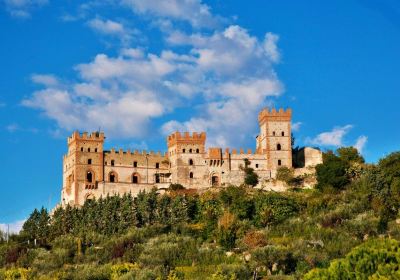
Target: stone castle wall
{"x": 90, "y": 172}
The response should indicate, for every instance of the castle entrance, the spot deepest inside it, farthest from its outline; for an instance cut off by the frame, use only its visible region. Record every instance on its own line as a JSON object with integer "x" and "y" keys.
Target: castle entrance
{"x": 215, "y": 180}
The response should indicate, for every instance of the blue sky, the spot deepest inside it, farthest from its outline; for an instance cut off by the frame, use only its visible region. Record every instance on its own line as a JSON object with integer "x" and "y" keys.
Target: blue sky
{"x": 139, "y": 69}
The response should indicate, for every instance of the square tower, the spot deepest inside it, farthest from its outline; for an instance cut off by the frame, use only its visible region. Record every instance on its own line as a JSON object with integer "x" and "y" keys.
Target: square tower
{"x": 83, "y": 166}
{"x": 275, "y": 138}
{"x": 186, "y": 154}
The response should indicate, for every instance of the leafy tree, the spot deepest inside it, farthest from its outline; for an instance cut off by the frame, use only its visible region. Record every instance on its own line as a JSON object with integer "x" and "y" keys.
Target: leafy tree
{"x": 375, "y": 259}
{"x": 332, "y": 172}
{"x": 350, "y": 154}
{"x": 251, "y": 178}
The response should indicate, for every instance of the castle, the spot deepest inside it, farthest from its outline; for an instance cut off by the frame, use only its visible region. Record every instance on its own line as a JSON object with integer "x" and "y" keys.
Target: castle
{"x": 91, "y": 172}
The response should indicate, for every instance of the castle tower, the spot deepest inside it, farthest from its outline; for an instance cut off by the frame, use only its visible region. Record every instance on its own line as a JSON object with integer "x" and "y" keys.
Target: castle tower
{"x": 186, "y": 157}
{"x": 275, "y": 138}
{"x": 83, "y": 166}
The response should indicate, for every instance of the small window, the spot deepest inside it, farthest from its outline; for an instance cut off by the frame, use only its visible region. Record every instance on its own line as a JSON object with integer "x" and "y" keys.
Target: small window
{"x": 105, "y": 163}
{"x": 89, "y": 177}
{"x": 88, "y": 150}
{"x": 135, "y": 164}
{"x": 279, "y": 162}
{"x": 190, "y": 151}
{"x": 183, "y": 150}
{"x": 95, "y": 150}
{"x": 273, "y": 133}
{"x": 191, "y": 175}
{"x": 113, "y": 178}
{"x": 190, "y": 161}
{"x": 283, "y": 133}
{"x": 157, "y": 165}
{"x": 135, "y": 179}
{"x": 112, "y": 162}
{"x": 256, "y": 165}
{"x": 82, "y": 149}
{"x": 279, "y": 147}
{"x": 197, "y": 151}
{"x": 157, "y": 177}
{"x": 89, "y": 161}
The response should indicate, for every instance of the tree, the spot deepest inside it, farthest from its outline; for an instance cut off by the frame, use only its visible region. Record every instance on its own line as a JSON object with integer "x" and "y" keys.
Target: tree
{"x": 332, "y": 172}
{"x": 251, "y": 178}
{"x": 375, "y": 259}
{"x": 349, "y": 155}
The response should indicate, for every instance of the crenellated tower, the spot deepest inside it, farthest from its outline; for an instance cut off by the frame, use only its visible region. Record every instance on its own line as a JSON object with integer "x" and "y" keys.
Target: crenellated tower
{"x": 186, "y": 156}
{"x": 83, "y": 165}
{"x": 275, "y": 138}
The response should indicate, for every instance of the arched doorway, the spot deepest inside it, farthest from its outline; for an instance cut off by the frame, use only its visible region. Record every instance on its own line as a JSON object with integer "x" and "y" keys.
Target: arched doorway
{"x": 214, "y": 180}
{"x": 112, "y": 177}
{"x": 135, "y": 178}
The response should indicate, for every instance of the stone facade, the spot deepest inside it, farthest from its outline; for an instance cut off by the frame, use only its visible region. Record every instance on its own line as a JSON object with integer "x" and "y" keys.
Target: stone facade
{"x": 91, "y": 172}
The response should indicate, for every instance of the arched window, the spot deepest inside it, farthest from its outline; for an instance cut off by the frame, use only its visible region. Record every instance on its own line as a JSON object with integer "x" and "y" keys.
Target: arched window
{"x": 183, "y": 150}
{"x": 88, "y": 150}
{"x": 190, "y": 150}
{"x": 197, "y": 151}
{"x": 112, "y": 177}
{"x": 191, "y": 175}
{"x": 135, "y": 178}
{"x": 214, "y": 180}
{"x": 89, "y": 161}
{"x": 135, "y": 164}
{"x": 190, "y": 161}
{"x": 273, "y": 133}
{"x": 95, "y": 150}
{"x": 279, "y": 162}
{"x": 278, "y": 147}
{"x": 283, "y": 133}
{"x": 82, "y": 149}
{"x": 112, "y": 162}
{"x": 89, "y": 177}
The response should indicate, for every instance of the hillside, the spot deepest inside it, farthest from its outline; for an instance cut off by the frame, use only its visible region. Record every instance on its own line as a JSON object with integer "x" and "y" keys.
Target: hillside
{"x": 344, "y": 228}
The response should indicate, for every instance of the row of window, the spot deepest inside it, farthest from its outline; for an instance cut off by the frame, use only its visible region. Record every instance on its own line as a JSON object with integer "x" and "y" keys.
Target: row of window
{"x": 191, "y": 151}
{"x": 95, "y": 150}
{"x": 135, "y": 164}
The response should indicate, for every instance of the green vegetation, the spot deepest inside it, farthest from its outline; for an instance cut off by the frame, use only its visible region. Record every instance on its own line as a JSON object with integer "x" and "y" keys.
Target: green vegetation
{"x": 346, "y": 228}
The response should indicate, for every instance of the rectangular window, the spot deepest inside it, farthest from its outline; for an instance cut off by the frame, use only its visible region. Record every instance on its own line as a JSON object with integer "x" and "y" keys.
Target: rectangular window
{"x": 157, "y": 165}
{"x": 135, "y": 164}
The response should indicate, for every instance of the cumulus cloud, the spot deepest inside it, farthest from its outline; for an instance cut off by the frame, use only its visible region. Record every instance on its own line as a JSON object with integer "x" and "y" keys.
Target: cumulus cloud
{"x": 226, "y": 75}
{"x": 23, "y": 8}
{"x": 332, "y": 138}
{"x": 195, "y": 12}
{"x": 360, "y": 143}
{"x": 112, "y": 28}
{"x": 14, "y": 227}
{"x": 45, "y": 80}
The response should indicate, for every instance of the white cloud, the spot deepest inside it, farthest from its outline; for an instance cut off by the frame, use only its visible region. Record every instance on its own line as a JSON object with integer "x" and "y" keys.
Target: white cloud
{"x": 195, "y": 12}
{"x": 331, "y": 138}
{"x": 23, "y": 8}
{"x": 227, "y": 76}
{"x": 15, "y": 227}
{"x": 296, "y": 126}
{"x": 360, "y": 143}
{"x": 46, "y": 80}
{"x": 113, "y": 28}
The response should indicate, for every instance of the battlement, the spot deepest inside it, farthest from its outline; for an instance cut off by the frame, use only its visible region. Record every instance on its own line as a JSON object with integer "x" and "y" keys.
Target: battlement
{"x": 186, "y": 138}
{"x": 275, "y": 115}
{"x": 94, "y": 136}
{"x": 136, "y": 152}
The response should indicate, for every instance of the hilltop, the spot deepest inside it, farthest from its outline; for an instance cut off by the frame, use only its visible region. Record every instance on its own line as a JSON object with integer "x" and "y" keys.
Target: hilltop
{"x": 231, "y": 232}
